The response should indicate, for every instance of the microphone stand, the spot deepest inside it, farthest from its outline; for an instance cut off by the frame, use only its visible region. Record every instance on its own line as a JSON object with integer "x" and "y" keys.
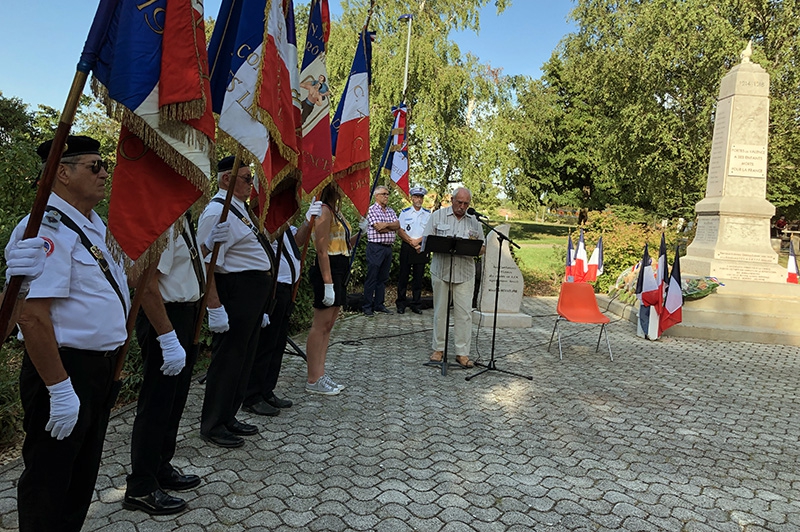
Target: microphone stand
{"x": 491, "y": 366}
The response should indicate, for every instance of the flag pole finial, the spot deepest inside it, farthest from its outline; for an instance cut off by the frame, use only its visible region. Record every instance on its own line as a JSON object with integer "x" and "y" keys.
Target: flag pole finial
{"x": 408, "y": 17}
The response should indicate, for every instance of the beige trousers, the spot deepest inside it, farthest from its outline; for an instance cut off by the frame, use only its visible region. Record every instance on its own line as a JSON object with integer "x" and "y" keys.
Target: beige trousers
{"x": 461, "y": 315}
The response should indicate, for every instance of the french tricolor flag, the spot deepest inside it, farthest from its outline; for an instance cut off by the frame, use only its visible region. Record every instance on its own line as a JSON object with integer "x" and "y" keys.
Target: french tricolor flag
{"x": 672, "y": 313}
{"x": 569, "y": 273}
{"x": 580, "y": 266}
{"x": 156, "y": 84}
{"x": 791, "y": 266}
{"x": 350, "y": 128}
{"x": 647, "y": 289}
{"x": 397, "y": 161}
{"x": 595, "y": 266}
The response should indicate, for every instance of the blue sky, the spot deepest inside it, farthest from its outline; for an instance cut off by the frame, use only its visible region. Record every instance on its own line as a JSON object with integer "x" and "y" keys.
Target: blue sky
{"x": 41, "y": 41}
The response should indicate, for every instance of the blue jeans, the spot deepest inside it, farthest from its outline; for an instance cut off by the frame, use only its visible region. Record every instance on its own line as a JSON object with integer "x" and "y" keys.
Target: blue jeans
{"x": 379, "y": 260}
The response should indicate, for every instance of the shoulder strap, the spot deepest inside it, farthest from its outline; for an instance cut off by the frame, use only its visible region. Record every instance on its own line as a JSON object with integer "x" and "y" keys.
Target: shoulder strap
{"x": 258, "y": 234}
{"x": 344, "y": 225}
{"x": 190, "y": 237}
{"x": 95, "y": 252}
{"x": 289, "y": 259}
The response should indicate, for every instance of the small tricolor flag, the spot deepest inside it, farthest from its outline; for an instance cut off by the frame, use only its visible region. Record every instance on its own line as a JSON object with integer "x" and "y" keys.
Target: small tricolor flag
{"x": 791, "y": 266}
{"x": 595, "y": 267}
{"x": 647, "y": 289}
{"x": 672, "y": 313}
{"x": 569, "y": 273}
{"x": 397, "y": 160}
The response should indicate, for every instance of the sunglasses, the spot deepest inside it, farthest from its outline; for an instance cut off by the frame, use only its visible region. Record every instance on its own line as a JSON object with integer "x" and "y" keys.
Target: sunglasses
{"x": 247, "y": 179}
{"x": 94, "y": 166}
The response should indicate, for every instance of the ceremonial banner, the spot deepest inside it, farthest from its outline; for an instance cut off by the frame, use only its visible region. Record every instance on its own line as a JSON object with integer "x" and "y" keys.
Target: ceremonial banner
{"x": 672, "y": 313}
{"x": 251, "y": 85}
{"x": 151, "y": 71}
{"x": 314, "y": 96}
{"x": 397, "y": 161}
{"x": 350, "y": 129}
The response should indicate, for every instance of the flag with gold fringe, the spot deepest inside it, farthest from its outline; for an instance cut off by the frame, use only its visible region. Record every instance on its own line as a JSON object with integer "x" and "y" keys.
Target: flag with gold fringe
{"x": 150, "y": 68}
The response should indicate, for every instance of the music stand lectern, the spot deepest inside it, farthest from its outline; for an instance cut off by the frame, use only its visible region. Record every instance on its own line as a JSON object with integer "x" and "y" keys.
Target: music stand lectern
{"x": 452, "y": 246}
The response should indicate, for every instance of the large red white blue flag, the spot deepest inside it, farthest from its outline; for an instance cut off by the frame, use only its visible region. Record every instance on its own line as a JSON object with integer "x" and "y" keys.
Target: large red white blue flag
{"x": 150, "y": 68}
{"x": 791, "y": 266}
{"x": 595, "y": 266}
{"x": 314, "y": 96}
{"x": 397, "y": 160}
{"x": 672, "y": 313}
{"x": 350, "y": 128}
{"x": 251, "y": 84}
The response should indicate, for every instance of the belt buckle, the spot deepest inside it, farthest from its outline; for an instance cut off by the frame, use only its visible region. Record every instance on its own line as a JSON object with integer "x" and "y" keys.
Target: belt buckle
{"x": 192, "y": 253}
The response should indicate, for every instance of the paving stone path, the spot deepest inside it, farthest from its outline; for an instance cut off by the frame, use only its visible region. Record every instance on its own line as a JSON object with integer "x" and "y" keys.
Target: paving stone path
{"x": 675, "y": 435}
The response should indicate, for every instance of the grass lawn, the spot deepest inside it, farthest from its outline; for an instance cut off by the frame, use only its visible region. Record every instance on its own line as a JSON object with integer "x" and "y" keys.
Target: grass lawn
{"x": 541, "y": 266}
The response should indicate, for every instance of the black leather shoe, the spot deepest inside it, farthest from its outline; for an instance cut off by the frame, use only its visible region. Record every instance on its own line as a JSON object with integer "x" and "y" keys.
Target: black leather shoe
{"x": 416, "y": 310}
{"x": 368, "y": 313}
{"x": 277, "y": 402}
{"x": 261, "y": 408}
{"x": 178, "y": 482}
{"x": 156, "y": 503}
{"x": 242, "y": 429}
{"x": 384, "y": 310}
{"x": 225, "y": 439}
{"x": 401, "y": 310}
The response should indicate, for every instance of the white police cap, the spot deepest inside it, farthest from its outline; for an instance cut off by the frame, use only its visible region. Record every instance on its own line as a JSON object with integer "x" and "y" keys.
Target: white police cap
{"x": 418, "y": 191}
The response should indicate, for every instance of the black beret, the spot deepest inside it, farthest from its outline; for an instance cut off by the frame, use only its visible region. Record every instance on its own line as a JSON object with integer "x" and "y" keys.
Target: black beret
{"x": 76, "y": 145}
{"x": 226, "y": 164}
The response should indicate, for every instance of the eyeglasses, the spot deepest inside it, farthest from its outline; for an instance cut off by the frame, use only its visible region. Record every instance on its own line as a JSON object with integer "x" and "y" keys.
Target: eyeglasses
{"x": 95, "y": 166}
{"x": 247, "y": 179}
{"x": 382, "y": 194}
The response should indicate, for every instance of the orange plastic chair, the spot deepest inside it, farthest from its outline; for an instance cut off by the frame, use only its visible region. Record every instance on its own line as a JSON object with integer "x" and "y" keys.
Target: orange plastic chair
{"x": 578, "y": 304}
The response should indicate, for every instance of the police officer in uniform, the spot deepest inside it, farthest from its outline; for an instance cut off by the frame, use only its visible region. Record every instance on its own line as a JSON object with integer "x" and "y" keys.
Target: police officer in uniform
{"x": 73, "y": 322}
{"x": 412, "y": 261}
{"x": 237, "y": 300}
{"x": 165, "y": 329}
{"x": 261, "y": 398}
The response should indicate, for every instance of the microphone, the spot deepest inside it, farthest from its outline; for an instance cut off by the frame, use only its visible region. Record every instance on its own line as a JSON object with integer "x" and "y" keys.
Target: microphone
{"x": 475, "y": 213}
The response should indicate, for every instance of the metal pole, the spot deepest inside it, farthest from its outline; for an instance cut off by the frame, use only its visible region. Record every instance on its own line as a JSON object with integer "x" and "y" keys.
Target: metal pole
{"x": 409, "y": 18}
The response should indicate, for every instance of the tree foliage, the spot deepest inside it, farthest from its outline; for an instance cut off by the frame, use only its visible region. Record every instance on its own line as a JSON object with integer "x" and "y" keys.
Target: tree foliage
{"x": 624, "y": 111}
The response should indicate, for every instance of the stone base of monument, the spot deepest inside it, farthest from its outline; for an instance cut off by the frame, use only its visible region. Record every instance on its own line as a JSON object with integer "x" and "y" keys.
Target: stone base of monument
{"x": 740, "y": 311}
{"x": 510, "y": 320}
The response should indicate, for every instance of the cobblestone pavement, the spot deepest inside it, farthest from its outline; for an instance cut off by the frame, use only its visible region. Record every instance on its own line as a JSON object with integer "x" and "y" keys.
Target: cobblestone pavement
{"x": 676, "y": 435}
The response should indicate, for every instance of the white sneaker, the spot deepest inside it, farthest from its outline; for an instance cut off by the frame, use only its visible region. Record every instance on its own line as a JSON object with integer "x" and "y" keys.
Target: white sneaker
{"x": 322, "y": 387}
{"x": 332, "y": 383}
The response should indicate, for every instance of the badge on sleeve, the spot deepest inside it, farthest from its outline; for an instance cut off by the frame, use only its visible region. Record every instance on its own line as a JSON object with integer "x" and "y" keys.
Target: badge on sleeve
{"x": 49, "y": 246}
{"x": 51, "y": 219}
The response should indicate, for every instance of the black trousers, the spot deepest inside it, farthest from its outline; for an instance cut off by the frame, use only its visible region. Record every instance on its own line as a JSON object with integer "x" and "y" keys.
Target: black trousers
{"x": 412, "y": 263}
{"x": 271, "y": 345}
{"x": 57, "y": 485}
{"x": 244, "y": 296}
{"x": 161, "y": 400}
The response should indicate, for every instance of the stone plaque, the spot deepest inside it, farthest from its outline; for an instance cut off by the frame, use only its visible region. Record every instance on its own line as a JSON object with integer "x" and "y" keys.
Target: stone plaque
{"x": 707, "y": 230}
{"x": 748, "y": 160}
{"x": 511, "y": 283}
{"x": 749, "y": 258}
{"x": 716, "y": 163}
{"x": 743, "y": 272}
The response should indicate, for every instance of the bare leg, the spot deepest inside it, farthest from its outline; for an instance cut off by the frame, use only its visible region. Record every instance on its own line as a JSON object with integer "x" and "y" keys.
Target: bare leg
{"x": 318, "y": 339}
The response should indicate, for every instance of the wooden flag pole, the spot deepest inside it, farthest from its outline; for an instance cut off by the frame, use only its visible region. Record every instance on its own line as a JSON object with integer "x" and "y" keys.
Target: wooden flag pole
{"x": 144, "y": 279}
{"x": 45, "y": 186}
{"x": 237, "y": 162}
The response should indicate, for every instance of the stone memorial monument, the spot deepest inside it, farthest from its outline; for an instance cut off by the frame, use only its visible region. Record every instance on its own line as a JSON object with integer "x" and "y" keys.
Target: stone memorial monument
{"x": 511, "y": 287}
{"x": 732, "y": 241}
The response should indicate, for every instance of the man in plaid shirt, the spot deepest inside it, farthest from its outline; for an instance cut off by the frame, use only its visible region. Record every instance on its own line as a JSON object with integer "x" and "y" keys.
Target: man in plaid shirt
{"x": 382, "y": 228}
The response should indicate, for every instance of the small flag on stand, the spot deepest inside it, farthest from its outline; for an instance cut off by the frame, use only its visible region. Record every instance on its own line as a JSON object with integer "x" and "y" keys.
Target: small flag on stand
{"x": 350, "y": 128}
{"x": 580, "y": 266}
{"x": 156, "y": 84}
{"x": 595, "y": 267}
{"x": 569, "y": 275}
{"x": 672, "y": 313}
{"x": 647, "y": 289}
{"x": 397, "y": 160}
{"x": 791, "y": 266}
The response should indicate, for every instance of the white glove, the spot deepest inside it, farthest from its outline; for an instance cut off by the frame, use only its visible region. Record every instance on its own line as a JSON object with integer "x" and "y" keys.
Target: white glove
{"x": 218, "y": 320}
{"x": 363, "y": 225}
{"x": 265, "y": 321}
{"x": 64, "y": 407}
{"x": 315, "y": 209}
{"x": 330, "y": 295}
{"x": 26, "y": 258}
{"x": 173, "y": 352}
{"x": 219, "y": 233}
